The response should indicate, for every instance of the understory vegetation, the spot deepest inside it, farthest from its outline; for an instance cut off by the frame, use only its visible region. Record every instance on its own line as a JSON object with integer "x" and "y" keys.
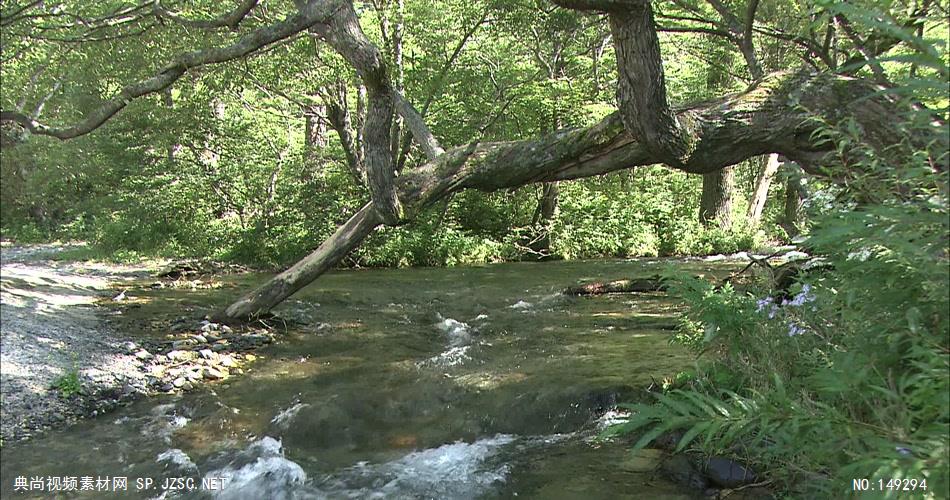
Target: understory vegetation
{"x": 271, "y": 137}
{"x": 245, "y": 165}
{"x": 845, "y": 374}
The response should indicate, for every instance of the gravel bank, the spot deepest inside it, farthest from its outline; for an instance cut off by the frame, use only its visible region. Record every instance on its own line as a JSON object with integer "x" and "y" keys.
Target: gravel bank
{"x": 49, "y": 329}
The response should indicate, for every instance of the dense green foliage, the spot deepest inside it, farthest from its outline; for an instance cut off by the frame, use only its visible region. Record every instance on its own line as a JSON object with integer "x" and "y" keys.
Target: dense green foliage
{"x": 846, "y": 375}
{"x": 220, "y": 166}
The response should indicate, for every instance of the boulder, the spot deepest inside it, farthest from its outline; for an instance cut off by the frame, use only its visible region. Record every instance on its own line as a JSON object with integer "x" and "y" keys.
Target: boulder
{"x": 727, "y": 473}
{"x": 680, "y": 469}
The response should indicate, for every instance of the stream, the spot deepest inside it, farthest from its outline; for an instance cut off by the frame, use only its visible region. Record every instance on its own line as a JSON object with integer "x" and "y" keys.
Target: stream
{"x": 471, "y": 382}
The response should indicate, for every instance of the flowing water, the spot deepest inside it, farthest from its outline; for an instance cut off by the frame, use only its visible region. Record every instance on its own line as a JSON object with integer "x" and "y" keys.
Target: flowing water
{"x": 476, "y": 382}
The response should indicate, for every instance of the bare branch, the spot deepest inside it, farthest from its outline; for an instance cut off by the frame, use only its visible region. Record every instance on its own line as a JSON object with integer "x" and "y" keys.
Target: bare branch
{"x": 307, "y": 16}
{"x": 229, "y": 20}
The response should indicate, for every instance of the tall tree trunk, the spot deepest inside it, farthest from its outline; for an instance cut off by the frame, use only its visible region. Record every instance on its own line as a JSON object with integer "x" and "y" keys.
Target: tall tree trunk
{"x": 761, "y": 191}
{"x": 547, "y": 208}
{"x": 715, "y": 206}
{"x": 795, "y": 193}
{"x": 315, "y": 133}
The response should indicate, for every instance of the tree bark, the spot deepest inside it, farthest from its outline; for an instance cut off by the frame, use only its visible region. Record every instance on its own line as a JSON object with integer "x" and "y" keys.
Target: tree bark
{"x": 795, "y": 193}
{"x": 260, "y": 301}
{"x": 760, "y": 193}
{"x": 715, "y": 206}
{"x": 315, "y": 133}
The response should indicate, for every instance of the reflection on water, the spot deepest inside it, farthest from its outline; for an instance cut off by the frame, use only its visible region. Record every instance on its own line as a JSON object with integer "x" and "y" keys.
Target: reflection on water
{"x": 421, "y": 383}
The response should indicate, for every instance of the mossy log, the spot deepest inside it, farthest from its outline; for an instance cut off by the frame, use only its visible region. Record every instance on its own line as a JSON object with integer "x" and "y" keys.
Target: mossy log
{"x": 635, "y": 285}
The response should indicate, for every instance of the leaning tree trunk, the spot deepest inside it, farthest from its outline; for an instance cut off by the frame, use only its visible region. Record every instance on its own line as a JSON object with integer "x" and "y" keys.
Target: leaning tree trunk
{"x": 761, "y": 192}
{"x": 715, "y": 206}
{"x": 738, "y": 127}
{"x": 781, "y": 114}
{"x": 331, "y": 252}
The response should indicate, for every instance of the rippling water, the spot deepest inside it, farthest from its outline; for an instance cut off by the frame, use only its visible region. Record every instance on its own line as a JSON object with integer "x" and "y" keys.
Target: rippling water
{"x": 478, "y": 382}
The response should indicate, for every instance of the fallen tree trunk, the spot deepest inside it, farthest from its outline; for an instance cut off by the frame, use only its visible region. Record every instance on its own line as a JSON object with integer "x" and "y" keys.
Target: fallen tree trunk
{"x": 780, "y": 115}
{"x": 636, "y": 285}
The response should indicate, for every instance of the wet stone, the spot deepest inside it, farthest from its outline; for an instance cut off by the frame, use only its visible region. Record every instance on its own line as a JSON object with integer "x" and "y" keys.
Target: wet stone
{"x": 680, "y": 469}
{"x": 179, "y": 382}
{"x": 727, "y": 473}
{"x": 644, "y": 461}
{"x": 214, "y": 374}
{"x": 201, "y": 339}
{"x": 182, "y": 344}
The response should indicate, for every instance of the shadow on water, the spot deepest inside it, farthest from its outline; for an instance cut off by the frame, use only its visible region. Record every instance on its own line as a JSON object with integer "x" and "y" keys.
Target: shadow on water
{"x": 421, "y": 383}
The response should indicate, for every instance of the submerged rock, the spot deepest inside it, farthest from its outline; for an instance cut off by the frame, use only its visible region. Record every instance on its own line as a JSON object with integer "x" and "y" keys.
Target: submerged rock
{"x": 680, "y": 469}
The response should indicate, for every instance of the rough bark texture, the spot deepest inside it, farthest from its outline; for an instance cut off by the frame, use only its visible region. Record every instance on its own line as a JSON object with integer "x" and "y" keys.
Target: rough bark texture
{"x": 315, "y": 132}
{"x": 344, "y": 34}
{"x": 641, "y": 85}
{"x": 346, "y": 238}
{"x": 795, "y": 193}
{"x": 760, "y": 193}
{"x": 715, "y": 205}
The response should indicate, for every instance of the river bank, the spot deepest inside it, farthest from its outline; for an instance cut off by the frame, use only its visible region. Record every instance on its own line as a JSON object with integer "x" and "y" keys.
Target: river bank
{"x": 67, "y": 354}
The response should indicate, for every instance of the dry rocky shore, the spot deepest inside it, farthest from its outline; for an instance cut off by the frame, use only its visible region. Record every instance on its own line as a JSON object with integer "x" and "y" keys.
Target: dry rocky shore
{"x": 63, "y": 356}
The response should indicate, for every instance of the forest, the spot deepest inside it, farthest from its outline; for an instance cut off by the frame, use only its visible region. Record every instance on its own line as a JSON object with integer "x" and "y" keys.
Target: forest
{"x": 719, "y": 226}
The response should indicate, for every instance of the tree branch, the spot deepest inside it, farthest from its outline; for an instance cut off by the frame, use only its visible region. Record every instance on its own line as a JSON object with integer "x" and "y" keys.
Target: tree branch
{"x": 307, "y": 16}
{"x": 229, "y": 20}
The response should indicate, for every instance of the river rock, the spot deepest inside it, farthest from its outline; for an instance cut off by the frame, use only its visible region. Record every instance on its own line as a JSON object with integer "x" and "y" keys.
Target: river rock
{"x": 201, "y": 339}
{"x": 182, "y": 344}
{"x": 227, "y": 361}
{"x": 187, "y": 386}
{"x": 179, "y": 382}
{"x": 727, "y": 473}
{"x": 143, "y": 355}
{"x": 214, "y": 374}
{"x": 178, "y": 355}
{"x": 219, "y": 347}
{"x": 680, "y": 469}
{"x": 206, "y": 353}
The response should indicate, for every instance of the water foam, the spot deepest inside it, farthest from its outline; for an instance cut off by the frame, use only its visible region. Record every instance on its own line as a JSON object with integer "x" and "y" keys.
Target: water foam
{"x": 268, "y": 474}
{"x": 458, "y": 470}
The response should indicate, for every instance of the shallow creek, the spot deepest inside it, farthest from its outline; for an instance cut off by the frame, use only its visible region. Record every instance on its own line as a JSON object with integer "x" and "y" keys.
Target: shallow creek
{"x": 474, "y": 382}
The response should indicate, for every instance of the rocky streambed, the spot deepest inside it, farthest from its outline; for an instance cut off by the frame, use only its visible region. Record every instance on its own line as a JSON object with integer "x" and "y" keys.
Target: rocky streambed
{"x": 65, "y": 355}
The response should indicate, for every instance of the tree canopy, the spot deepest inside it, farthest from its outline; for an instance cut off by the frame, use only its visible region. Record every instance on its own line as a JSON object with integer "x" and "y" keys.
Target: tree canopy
{"x": 429, "y": 100}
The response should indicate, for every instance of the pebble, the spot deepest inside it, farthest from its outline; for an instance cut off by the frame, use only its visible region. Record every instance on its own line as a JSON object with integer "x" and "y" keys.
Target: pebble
{"x": 179, "y": 382}
{"x": 181, "y": 355}
{"x": 143, "y": 355}
{"x": 201, "y": 339}
{"x": 181, "y": 344}
{"x": 219, "y": 347}
{"x": 214, "y": 374}
{"x": 206, "y": 353}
